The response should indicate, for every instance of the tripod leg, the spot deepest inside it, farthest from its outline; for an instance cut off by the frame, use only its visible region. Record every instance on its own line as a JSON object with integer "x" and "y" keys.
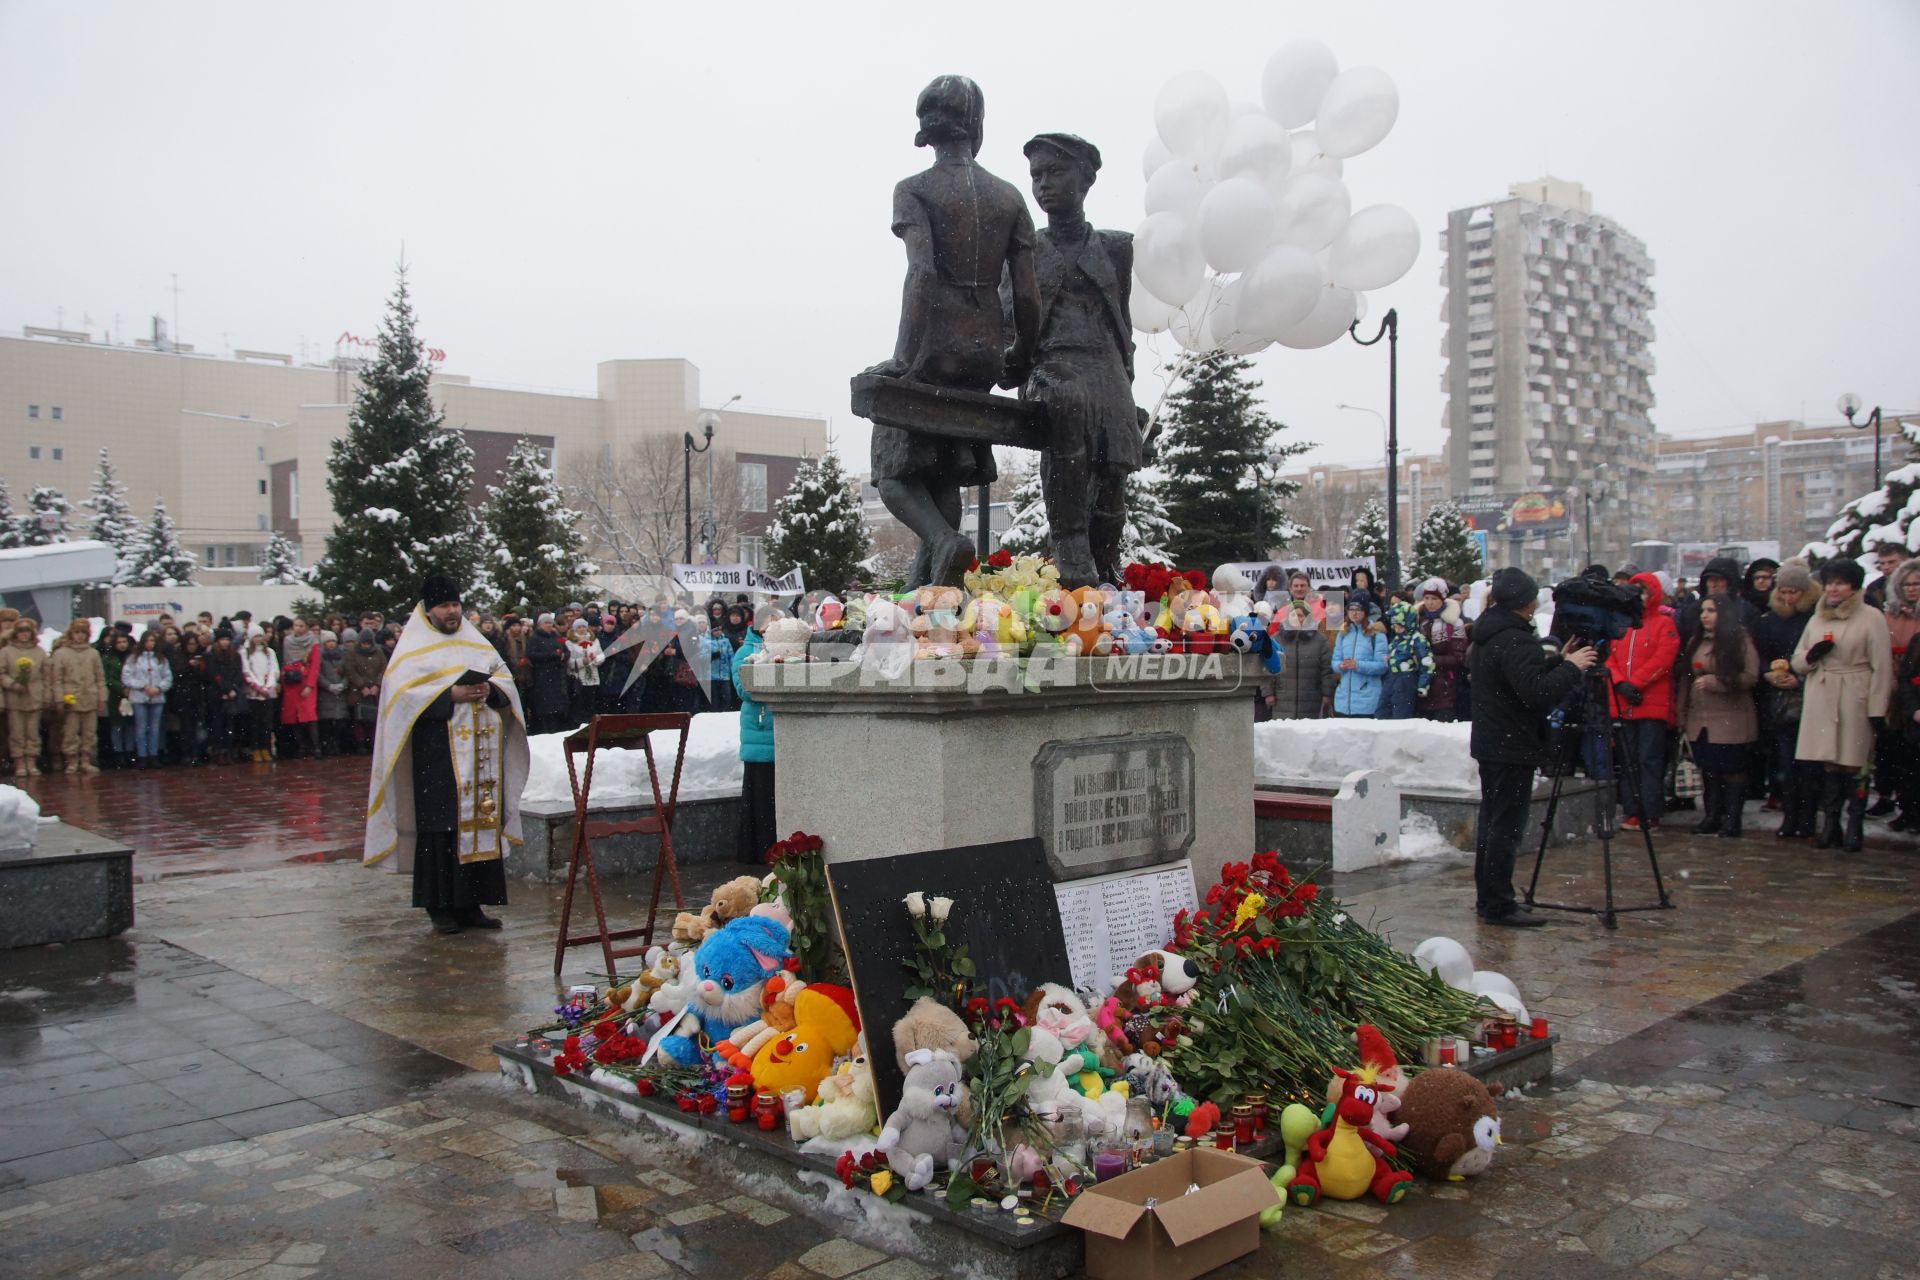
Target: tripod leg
{"x": 1546, "y": 834}
{"x": 1630, "y": 769}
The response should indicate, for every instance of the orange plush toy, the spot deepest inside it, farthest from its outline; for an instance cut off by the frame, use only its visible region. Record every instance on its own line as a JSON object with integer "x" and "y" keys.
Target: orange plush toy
{"x": 1087, "y": 635}
{"x": 826, "y": 1026}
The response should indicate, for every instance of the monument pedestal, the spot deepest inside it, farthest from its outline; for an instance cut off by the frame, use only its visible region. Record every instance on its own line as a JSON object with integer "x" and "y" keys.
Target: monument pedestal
{"x": 1114, "y": 763}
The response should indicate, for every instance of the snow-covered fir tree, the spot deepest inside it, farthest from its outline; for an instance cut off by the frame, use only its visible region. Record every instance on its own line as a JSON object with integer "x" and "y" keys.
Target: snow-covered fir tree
{"x": 818, "y": 525}
{"x": 1368, "y": 536}
{"x": 399, "y": 481}
{"x": 1027, "y": 532}
{"x": 11, "y": 535}
{"x": 277, "y": 567}
{"x": 1149, "y": 534}
{"x": 160, "y": 560}
{"x": 111, "y": 520}
{"x": 539, "y": 554}
{"x": 1444, "y": 547}
{"x": 1887, "y": 517}
{"x": 45, "y": 520}
{"x": 1222, "y": 460}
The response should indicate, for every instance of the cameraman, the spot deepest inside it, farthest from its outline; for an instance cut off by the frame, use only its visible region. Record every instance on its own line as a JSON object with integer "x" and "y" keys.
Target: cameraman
{"x": 1516, "y": 680}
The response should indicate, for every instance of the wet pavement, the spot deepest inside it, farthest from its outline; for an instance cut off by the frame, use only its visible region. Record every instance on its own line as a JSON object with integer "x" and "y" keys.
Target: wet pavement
{"x": 1735, "y": 1090}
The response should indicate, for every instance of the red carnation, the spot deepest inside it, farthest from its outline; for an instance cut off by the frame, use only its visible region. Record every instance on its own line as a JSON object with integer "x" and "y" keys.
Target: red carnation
{"x": 1001, "y": 559}
{"x": 1196, "y": 578}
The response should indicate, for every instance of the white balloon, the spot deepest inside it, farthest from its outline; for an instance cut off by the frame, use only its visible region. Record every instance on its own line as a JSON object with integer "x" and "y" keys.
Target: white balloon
{"x": 1312, "y": 210}
{"x": 1227, "y": 324}
{"x": 1359, "y": 307}
{"x": 1257, "y": 148}
{"x": 1308, "y": 157}
{"x": 1166, "y": 258}
{"x": 1156, "y": 155}
{"x": 1279, "y": 291}
{"x": 1236, "y": 224}
{"x": 1177, "y": 187}
{"x": 1295, "y": 80}
{"x": 1486, "y": 981}
{"x": 1191, "y": 114}
{"x": 1150, "y": 315}
{"x": 1509, "y": 1005}
{"x": 1330, "y": 318}
{"x": 1446, "y": 957}
{"x": 1358, "y": 111}
{"x": 1192, "y": 323}
{"x": 1376, "y": 247}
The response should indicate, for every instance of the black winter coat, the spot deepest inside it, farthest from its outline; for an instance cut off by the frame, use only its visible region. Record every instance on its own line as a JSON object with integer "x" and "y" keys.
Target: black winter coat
{"x": 436, "y": 796}
{"x": 1306, "y": 674}
{"x": 1515, "y": 685}
{"x": 549, "y": 657}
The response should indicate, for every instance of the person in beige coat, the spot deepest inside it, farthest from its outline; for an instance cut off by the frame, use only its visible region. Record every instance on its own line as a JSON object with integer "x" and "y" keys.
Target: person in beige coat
{"x": 77, "y": 694}
{"x": 1716, "y": 711}
{"x": 1847, "y": 660}
{"x": 23, "y": 689}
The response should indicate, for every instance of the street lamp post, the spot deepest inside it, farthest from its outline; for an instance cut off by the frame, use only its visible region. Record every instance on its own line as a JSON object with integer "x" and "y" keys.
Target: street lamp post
{"x": 1393, "y": 501}
{"x": 708, "y": 421}
{"x": 1390, "y": 330}
{"x": 1593, "y": 489}
{"x": 1849, "y": 404}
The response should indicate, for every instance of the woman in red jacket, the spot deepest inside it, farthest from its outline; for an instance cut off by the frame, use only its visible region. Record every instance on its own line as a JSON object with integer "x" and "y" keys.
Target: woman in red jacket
{"x": 1641, "y": 664}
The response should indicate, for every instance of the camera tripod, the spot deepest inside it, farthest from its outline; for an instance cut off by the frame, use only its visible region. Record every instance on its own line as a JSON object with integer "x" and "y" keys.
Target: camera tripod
{"x": 1595, "y": 707}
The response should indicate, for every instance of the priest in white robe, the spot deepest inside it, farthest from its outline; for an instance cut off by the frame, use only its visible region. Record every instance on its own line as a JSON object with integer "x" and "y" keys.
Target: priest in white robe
{"x": 449, "y": 763}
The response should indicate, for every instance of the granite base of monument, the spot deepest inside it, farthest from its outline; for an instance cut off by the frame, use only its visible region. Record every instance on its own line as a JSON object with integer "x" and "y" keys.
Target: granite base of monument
{"x": 1115, "y": 764}
{"x": 71, "y": 884}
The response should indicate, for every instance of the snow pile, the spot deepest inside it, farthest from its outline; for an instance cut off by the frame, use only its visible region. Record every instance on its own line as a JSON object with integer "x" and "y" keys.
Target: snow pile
{"x": 19, "y": 818}
{"x": 1420, "y": 840}
{"x": 1419, "y": 755}
{"x": 712, "y": 767}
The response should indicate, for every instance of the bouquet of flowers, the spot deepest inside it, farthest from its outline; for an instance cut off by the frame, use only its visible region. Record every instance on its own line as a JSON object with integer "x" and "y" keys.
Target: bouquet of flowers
{"x": 22, "y": 670}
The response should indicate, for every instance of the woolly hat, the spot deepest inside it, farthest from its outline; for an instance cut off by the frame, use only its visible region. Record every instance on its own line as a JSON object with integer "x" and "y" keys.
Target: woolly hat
{"x": 1434, "y": 586}
{"x": 438, "y": 589}
{"x": 1794, "y": 576}
{"x": 1360, "y": 600}
{"x": 1843, "y": 571}
{"x": 1513, "y": 588}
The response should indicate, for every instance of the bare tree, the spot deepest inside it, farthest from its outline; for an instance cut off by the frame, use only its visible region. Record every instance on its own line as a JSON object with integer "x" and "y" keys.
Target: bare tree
{"x": 631, "y": 501}
{"x": 1330, "y": 509}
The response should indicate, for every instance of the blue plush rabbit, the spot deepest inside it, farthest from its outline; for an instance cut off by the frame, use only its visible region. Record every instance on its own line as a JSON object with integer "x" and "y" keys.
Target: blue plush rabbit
{"x": 730, "y": 969}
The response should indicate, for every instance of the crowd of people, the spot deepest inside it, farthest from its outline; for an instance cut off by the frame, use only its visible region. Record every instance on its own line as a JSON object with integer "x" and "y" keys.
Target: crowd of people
{"x": 202, "y": 691}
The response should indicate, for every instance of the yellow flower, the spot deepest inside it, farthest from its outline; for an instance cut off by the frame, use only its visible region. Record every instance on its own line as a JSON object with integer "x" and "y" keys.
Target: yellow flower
{"x": 69, "y": 700}
{"x": 880, "y": 1182}
{"x": 1249, "y": 908}
{"x": 23, "y": 664}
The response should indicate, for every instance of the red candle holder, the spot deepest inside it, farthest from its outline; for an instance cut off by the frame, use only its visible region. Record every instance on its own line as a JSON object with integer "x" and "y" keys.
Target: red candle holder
{"x": 1539, "y": 1028}
{"x": 1446, "y": 1055}
{"x": 769, "y": 1110}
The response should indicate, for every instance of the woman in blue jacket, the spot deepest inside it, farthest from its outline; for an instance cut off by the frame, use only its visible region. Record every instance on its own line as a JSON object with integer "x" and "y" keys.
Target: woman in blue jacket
{"x": 1359, "y": 660}
{"x": 758, "y": 829}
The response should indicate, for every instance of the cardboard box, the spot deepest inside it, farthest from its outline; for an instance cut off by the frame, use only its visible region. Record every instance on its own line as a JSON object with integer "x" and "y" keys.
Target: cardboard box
{"x": 1181, "y": 1235}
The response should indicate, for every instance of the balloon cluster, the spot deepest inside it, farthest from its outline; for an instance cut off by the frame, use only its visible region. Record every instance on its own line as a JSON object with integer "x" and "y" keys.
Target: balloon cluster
{"x": 1250, "y": 236}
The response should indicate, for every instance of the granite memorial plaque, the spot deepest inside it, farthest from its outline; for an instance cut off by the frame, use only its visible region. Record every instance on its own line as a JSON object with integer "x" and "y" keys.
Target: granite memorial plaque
{"x": 1102, "y": 805}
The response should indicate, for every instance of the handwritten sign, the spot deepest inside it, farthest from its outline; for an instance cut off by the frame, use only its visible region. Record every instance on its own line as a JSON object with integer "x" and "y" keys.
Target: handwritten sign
{"x": 1112, "y": 804}
{"x": 1110, "y": 921}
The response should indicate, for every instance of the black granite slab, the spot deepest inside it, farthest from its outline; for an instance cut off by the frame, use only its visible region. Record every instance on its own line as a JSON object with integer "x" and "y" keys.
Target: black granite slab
{"x": 71, "y": 884}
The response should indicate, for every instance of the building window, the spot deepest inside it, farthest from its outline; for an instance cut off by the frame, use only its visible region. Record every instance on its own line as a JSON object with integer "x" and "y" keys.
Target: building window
{"x": 753, "y": 550}
{"x": 261, "y": 523}
{"x": 56, "y": 413}
{"x": 260, "y": 451}
{"x": 293, "y": 494}
{"x": 753, "y": 486}
{"x": 33, "y": 452}
{"x": 33, "y": 411}
{"x": 263, "y": 488}
{"x": 212, "y": 558}
{"x": 59, "y": 454}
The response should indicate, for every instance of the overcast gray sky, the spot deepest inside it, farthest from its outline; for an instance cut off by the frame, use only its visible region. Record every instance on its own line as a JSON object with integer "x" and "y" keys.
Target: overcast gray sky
{"x": 581, "y": 182}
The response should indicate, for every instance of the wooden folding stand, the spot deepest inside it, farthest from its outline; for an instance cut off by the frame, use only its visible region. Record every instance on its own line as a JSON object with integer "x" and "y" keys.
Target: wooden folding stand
{"x": 627, "y": 732}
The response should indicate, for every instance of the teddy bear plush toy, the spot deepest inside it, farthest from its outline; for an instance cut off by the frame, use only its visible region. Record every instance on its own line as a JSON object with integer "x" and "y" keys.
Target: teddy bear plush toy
{"x": 731, "y": 901}
{"x": 843, "y": 1107}
{"x": 925, "y": 1133}
{"x": 1086, "y": 636}
{"x": 786, "y": 641}
{"x": 928, "y": 1025}
{"x": 731, "y": 969}
{"x": 1451, "y": 1123}
{"x": 937, "y": 630}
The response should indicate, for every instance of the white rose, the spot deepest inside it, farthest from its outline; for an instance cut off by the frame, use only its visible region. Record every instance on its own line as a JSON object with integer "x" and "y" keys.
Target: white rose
{"x": 916, "y": 904}
{"x": 941, "y": 906}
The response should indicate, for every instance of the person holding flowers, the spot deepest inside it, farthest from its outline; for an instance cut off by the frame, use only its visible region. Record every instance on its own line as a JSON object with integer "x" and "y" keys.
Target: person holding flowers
{"x": 23, "y": 678}
{"x": 77, "y": 693}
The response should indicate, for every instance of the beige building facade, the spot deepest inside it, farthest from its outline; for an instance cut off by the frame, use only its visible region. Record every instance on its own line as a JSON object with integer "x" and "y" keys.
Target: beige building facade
{"x": 238, "y": 446}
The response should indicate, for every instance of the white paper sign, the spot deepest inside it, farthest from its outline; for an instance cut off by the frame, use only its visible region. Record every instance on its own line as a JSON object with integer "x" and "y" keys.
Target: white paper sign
{"x": 739, "y": 577}
{"x": 1110, "y": 920}
{"x": 1320, "y": 573}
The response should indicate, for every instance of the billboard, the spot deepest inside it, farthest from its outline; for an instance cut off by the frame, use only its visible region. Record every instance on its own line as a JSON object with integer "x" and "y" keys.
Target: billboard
{"x": 1522, "y": 515}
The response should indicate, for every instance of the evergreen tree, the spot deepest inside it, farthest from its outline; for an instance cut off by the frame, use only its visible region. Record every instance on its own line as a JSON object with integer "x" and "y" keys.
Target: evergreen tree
{"x": 277, "y": 567}
{"x": 1149, "y": 534}
{"x": 1889, "y": 516}
{"x": 160, "y": 560}
{"x": 544, "y": 560}
{"x": 1444, "y": 547}
{"x": 1222, "y": 458}
{"x": 11, "y": 534}
{"x": 818, "y": 525}
{"x": 1028, "y": 532}
{"x": 113, "y": 521}
{"x": 399, "y": 481}
{"x": 41, "y": 503}
{"x": 1369, "y": 534}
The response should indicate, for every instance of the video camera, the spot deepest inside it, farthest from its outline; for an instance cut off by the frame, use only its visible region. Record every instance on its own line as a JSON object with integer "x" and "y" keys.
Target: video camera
{"x": 1593, "y": 611}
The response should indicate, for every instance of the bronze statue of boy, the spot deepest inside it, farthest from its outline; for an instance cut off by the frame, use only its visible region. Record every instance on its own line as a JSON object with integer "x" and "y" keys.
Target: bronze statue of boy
{"x": 966, "y": 232}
